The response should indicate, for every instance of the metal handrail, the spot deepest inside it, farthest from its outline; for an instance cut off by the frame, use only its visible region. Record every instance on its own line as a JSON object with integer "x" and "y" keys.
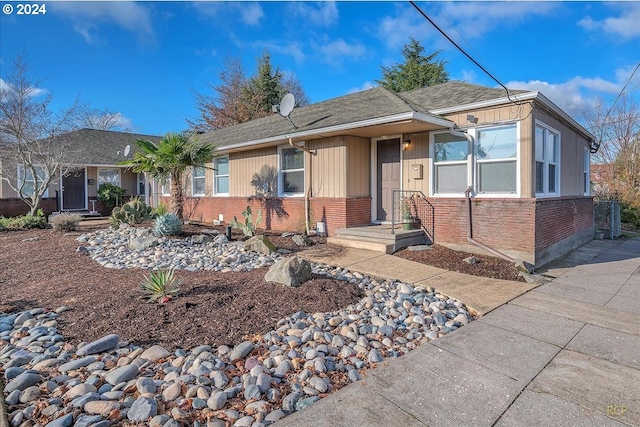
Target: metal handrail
{"x": 402, "y": 200}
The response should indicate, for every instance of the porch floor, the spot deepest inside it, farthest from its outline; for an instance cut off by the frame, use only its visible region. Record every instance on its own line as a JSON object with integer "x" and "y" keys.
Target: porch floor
{"x": 378, "y": 238}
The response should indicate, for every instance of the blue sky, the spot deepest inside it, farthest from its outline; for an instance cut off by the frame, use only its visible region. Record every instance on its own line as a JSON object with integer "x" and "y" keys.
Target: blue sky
{"x": 145, "y": 59}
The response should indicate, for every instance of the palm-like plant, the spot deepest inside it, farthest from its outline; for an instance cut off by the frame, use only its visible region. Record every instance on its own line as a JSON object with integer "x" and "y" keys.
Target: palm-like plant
{"x": 161, "y": 285}
{"x": 170, "y": 158}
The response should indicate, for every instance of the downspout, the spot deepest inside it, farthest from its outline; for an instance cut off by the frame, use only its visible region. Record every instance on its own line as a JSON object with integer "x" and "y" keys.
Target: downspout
{"x": 307, "y": 193}
{"x": 467, "y": 199}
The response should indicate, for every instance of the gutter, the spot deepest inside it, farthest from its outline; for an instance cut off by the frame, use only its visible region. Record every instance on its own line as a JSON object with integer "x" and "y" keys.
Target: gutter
{"x": 467, "y": 200}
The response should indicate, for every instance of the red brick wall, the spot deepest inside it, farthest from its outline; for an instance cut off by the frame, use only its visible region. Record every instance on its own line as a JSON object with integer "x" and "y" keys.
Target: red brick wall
{"x": 557, "y": 219}
{"x": 283, "y": 214}
{"x": 500, "y": 223}
{"x": 16, "y": 207}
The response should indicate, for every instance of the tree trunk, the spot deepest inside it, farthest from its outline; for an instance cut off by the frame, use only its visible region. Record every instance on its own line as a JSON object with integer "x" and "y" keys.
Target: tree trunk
{"x": 177, "y": 197}
{"x": 4, "y": 416}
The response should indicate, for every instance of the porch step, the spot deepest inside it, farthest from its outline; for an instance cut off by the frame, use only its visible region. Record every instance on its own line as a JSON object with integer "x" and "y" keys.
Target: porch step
{"x": 377, "y": 238}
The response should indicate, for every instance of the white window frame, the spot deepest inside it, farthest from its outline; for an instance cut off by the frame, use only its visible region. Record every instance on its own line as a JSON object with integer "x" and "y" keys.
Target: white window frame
{"x": 216, "y": 175}
{"x": 21, "y": 178}
{"x": 194, "y": 178}
{"x": 119, "y": 183}
{"x": 476, "y": 167}
{"x": 546, "y": 161}
{"x": 587, "y": 172}
{"x": 281, "y": 193}
{"x": 433, "y": 166}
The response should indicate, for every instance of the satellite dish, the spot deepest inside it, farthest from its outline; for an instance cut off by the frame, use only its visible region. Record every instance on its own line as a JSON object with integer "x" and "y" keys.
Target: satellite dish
{"x": 126, "y": 150}
{"x": 287, "y": 104}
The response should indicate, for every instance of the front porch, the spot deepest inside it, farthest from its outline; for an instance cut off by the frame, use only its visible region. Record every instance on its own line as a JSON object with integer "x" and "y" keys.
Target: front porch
{"x": 379, "y": 238}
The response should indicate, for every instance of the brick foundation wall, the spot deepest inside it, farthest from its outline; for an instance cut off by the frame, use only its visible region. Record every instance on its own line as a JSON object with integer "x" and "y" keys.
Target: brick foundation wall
{"x": 17, "y": 207}
{"x": 282, "y": 214}
{"x": 506, "y": 224}
{"x": 559, "y": 219}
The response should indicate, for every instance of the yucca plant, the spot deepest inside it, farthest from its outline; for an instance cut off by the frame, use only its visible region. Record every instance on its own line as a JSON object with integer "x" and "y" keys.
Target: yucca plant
{"x": 161, "y": 285}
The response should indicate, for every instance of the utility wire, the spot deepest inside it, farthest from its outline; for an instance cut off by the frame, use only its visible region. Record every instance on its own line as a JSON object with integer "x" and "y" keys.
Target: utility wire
{"x": 462, "y": 50}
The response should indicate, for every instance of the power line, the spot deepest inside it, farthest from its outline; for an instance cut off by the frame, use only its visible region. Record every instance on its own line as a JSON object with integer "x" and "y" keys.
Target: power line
{"x": 462, "y": 50}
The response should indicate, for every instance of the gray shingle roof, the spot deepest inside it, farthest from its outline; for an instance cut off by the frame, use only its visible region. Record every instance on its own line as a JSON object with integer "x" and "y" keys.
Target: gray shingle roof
{"x": 365, "y": 105}
{"x": 101, "y": 147}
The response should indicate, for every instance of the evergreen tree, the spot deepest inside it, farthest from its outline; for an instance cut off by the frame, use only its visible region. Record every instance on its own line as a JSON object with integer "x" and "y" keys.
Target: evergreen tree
{"x": 416, "y": 71}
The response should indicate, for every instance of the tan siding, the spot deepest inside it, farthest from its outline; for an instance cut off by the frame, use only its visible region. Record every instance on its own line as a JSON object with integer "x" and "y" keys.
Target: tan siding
{"x": 416, "y": 154}
{"x": 243, "y": 165}
{"x": 572, "y": 147}
{"x": 328, "y": 168}
{"x": 527, "y": 153}
{"x": 92, "y": 189}
{"x": 358, "y": 166}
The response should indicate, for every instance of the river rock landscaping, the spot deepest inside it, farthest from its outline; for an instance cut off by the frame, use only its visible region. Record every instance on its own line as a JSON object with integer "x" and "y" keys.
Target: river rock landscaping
{"x": 230, "y": 350}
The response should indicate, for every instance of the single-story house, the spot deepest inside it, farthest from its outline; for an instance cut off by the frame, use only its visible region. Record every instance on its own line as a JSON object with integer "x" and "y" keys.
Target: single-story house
{"x": 474, "y": 163}
{"x": 95, "y": 154}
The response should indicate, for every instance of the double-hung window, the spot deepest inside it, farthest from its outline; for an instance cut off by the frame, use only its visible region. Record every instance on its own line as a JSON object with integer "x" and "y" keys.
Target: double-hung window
{"x": 109, "y": 176}
{"x": 27, "y": 182}
{"x": 547, "y": 142}
{"x": 497, "y": 159}
{"x": 451, "y": 164}
{"x": 291, "y": 174}
{"x": 198, "y": 181}
{"x": 221, "y": 176}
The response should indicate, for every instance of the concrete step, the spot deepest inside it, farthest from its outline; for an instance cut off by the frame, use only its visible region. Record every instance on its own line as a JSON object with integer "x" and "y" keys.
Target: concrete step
{"x": 379, "y": 240}
{"x": 361, "y": 244}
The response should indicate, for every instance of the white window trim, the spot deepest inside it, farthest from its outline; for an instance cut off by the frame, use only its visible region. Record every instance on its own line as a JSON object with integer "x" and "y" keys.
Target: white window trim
{"x": 433, "y": 164}
{"x": 161, "y": 187}
{"x": 19, "y": 181}
{"x": 193, "y": 181}
{"x": 216, "y": 175}
{"x": 119, "y": 176}
{"x": 138, "y": 182}
{"x": 280, "y": 180}
{"x": 587, "y": 171}
{"x": 546, "y": 163}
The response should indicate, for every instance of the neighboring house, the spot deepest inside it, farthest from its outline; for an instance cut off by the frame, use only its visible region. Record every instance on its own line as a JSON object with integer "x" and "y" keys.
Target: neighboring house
{"x": 525, "y": 161}
{"x": 601, "y": 176}
{"x": 97, "y": 153}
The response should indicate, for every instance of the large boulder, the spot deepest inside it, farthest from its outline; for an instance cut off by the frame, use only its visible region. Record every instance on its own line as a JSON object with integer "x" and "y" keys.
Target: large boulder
{"x": 260, "y": 244}
{"x": 292, "y": 272}
{"x": 201, "y": 239}
{"x": 301, "y": 240}
{"x": 143, "y": 242}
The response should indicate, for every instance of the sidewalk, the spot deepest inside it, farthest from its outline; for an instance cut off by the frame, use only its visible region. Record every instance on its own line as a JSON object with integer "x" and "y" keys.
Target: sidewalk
{"x": 566, "y": 353}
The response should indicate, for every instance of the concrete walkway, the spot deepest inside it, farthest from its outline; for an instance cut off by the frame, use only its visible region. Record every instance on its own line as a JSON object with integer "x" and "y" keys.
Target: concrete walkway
{"x": 566, "y": 353}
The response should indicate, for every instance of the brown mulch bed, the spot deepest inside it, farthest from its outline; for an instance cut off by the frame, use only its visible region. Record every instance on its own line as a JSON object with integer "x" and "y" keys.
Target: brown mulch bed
{"x": 443, "y": 257}
{"x": 212, "y": 308}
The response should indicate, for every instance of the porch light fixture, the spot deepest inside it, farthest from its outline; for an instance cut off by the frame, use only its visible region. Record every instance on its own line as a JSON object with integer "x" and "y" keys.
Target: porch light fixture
{"x": 406, "y": 143}
{"x": 471, "y": 118}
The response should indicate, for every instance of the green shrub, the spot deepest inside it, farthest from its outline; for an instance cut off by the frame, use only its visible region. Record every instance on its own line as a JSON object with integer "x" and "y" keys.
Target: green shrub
{"x": 161, "y": 209}
{"x": 630, "y": 214}
{"x": 161, "y": 286}
{"x": 248, "y": 227}
{"x": 39, "y": 220}
{"x": 64, "y": 221}
{"x": 110, "y": 195}
{"x": 133, "y": 212}
{"x": 167, "y": 225}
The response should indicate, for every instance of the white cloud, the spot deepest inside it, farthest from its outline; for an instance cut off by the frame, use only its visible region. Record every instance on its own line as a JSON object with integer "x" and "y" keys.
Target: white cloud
{"x": 468, "y": 76}
{"x": 366, "y": 85}
{"x": 322, "y": 14}
{"x": 292, "y": 49}
{"x": 249, "y": 13}
{"x": 133, "y": 17}
{"x": 625, "y": 25}
{"x": 33, "y": 92}
{"x": 334, "y": 52}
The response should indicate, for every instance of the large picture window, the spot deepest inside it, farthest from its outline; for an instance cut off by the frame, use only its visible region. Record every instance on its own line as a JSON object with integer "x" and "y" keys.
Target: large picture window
{"x": 547, "y": 142}
{"x": 450, "y": 163}
{"x": 198, "y": 182}
{"x": 497, "y": 159}
{"x": 291, "y": 174}
{"x": 109, "y": 176}
{"x": 27, "y": 181}
{"x": 221, "y": 176}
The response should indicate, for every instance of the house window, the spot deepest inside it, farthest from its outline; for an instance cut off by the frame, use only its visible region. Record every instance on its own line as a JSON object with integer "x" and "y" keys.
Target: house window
{"x": 291, "y": 176}
{"x": 27, "y": 183}
{"x": 165, "y": 186}
{"x": 450, "y": 156}
{"x": 109, "y": 176}
{"x": 497, "y": 158}
{"x": 198, "y": 182}
{"x": 221, "y": 176}
{"x": 547, "y": 141}
{"x": 142, "y": 183}
{"x": 587, "y": 172}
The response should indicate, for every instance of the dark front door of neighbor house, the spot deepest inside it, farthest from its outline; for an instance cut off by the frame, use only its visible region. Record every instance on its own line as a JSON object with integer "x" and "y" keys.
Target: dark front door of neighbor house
{"x": 388, "y": 175}
{"x": 73, "y": 196}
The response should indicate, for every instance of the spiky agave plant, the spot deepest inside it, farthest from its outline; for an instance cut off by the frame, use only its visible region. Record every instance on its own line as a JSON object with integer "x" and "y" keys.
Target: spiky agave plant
{"x": 161, "y": 285}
